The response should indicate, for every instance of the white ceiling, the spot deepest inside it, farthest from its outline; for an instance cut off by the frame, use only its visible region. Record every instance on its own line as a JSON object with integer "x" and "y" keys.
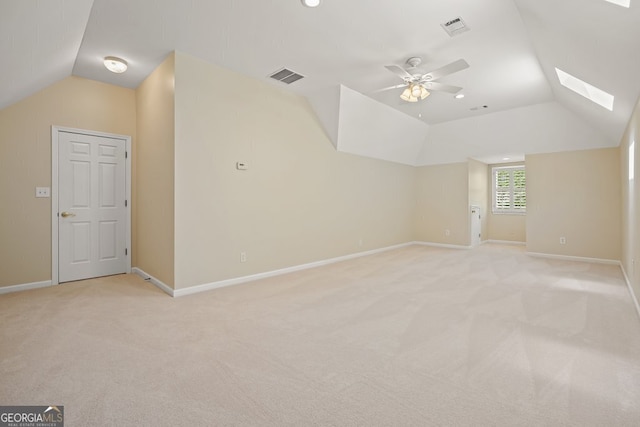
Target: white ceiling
{"x": 512, "y": 48}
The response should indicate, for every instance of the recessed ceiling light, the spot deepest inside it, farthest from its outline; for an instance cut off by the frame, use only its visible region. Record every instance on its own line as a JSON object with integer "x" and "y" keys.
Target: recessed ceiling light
{"x": 420, "y": 115}
{"x": 115, "y": 65}
{"x": 506, "y": 158}
{"x": 459, "y": 96}
{"x": 590, "y": 92}
{"x": 623, "y": 3}
{"x": 311, "y": 3}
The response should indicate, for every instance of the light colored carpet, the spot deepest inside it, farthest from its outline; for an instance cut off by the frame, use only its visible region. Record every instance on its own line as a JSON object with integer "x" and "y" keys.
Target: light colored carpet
{"x": 417, "y": 336}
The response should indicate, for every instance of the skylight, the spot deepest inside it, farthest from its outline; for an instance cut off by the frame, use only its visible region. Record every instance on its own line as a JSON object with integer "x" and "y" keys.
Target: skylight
{"x": 592, "y": 93}
{"x": 623, "y": 3}
{"x": 632, "y": 160}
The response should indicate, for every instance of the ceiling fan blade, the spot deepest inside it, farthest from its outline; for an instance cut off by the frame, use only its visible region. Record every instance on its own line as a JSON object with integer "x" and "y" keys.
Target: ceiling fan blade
{"x": 454, "y": 67}
{"x": 442, "y": 87}
{"x": 391, "y": 87}
{"x": 401, "y": 72}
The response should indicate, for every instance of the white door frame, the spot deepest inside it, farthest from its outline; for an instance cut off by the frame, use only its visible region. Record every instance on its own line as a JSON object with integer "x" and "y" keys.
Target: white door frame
{"x": 55, "y": 130}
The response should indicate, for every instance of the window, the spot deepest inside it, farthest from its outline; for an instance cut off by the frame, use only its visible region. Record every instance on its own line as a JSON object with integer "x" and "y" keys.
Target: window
{"x": 509, "y": 190}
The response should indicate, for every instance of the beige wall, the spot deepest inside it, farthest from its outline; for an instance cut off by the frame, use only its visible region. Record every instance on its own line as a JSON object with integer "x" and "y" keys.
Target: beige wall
{"x": 299, "y": 201}
{"x": 576, "y": 195}
{"x": 25, "y": 162}
{"x": 443, "y": 204}
{"x": 155, "y": 173}
{"x": 479, "y": 193}
{"x": 631, "y": 201}
{"x": 505, "y": 227}
{"x": 508, "y": 227}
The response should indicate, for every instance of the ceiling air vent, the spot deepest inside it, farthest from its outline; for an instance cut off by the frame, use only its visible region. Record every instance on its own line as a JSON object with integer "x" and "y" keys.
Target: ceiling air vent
{"x": 455, "y": 26}
{"x": 286, "y": 76}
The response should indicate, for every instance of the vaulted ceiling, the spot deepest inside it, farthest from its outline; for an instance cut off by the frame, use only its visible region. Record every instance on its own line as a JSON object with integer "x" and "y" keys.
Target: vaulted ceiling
{"x": 513, "y": 48}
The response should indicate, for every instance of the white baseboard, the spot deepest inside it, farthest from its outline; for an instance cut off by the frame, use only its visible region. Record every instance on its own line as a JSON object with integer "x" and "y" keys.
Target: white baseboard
{"x": 442, "y": 245}
{"x": 238, "y": 280}
{"x": 631, "y": 292}
{"x": 574, "y": 258}
{"x": 507, "y": 242}
{"x": 158, "y": 283}
{"x": 25, "y": 287}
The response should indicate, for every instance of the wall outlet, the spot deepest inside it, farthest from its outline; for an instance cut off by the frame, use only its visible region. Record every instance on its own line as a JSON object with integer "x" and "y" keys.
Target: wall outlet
{"x": 563, "y": 240}
{"x": 43, "y": 192}
{"x": 360, "y": 242}
{"x": 243, "y": 257}
{"x": 447, "y": 232}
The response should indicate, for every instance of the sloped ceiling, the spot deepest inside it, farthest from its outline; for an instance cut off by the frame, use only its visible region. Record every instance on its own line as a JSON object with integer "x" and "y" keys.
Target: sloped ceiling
{"x": 513, "y": 47}
{"x": 595, "y": 41}
{"x": 39, "y": 43}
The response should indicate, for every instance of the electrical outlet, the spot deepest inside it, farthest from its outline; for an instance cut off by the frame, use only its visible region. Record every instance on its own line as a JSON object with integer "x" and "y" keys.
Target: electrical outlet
{"x": 563, "y": 240}
{"x": 43, "y": 192}
{"x": 447, "y": 232}
{"x": 243, "y": 257}
{"x": 360, "y": 242}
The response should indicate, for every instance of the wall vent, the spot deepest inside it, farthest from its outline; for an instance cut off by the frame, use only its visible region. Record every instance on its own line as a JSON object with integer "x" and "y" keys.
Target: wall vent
{"x": 455, "y": 26}
{"x": 286, "y": 76}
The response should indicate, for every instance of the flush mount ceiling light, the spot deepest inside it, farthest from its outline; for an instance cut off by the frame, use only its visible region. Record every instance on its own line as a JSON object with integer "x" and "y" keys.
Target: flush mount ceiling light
{"x": 115, "y": 65}
{"x": 459, "y": 96}
{"x": 311, "y": 3}
{"x": 590, "y": 92}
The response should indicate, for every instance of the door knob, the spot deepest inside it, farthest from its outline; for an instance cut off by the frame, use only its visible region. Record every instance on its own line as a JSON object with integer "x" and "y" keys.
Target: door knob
{"x": 67, "y": 214}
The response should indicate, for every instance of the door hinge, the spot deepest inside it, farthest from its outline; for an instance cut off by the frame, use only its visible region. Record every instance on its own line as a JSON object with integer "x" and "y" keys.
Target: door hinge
{"x": 126, "y": 203}
{"x": 126, "y": 251}
{"x": 126, "y": 154}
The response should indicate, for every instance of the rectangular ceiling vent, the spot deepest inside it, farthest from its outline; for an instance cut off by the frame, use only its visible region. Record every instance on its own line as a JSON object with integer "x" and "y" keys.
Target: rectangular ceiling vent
{"x": 455, "y": 26}
{"x": 286, "y": 76}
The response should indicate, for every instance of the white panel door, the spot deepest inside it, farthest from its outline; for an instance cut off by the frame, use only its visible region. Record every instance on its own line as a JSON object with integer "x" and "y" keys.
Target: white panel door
{"x": 92, "y": 214}
{"x": 476, "y": 226}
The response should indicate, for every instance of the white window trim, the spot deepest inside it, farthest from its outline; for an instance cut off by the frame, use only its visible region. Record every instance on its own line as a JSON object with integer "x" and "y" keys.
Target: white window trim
{"x": 511, "y": 211}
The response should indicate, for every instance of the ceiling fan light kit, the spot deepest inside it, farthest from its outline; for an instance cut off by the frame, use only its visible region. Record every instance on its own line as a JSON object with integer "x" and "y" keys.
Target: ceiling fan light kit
{"x": 414, "y": 92}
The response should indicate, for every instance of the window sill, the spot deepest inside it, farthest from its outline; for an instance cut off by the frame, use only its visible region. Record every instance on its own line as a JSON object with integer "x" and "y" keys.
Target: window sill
{"x": 509, "y": 213}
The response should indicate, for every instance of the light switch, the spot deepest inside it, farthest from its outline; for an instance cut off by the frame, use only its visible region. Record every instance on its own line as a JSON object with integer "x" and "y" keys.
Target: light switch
{"x": 43, "y": 192}
{"x": 242, "y": 166}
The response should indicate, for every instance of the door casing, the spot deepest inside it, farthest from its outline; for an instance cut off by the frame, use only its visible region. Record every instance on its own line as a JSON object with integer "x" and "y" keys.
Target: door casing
{"x": 55, "y": 130}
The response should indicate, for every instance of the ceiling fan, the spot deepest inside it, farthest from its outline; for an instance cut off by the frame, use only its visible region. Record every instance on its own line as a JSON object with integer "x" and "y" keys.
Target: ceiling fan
{"x": 417, "y": 86}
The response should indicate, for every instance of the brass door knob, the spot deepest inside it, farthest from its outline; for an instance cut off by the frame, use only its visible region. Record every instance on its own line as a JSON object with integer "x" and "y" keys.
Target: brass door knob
{"x": 67, "y": 214}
